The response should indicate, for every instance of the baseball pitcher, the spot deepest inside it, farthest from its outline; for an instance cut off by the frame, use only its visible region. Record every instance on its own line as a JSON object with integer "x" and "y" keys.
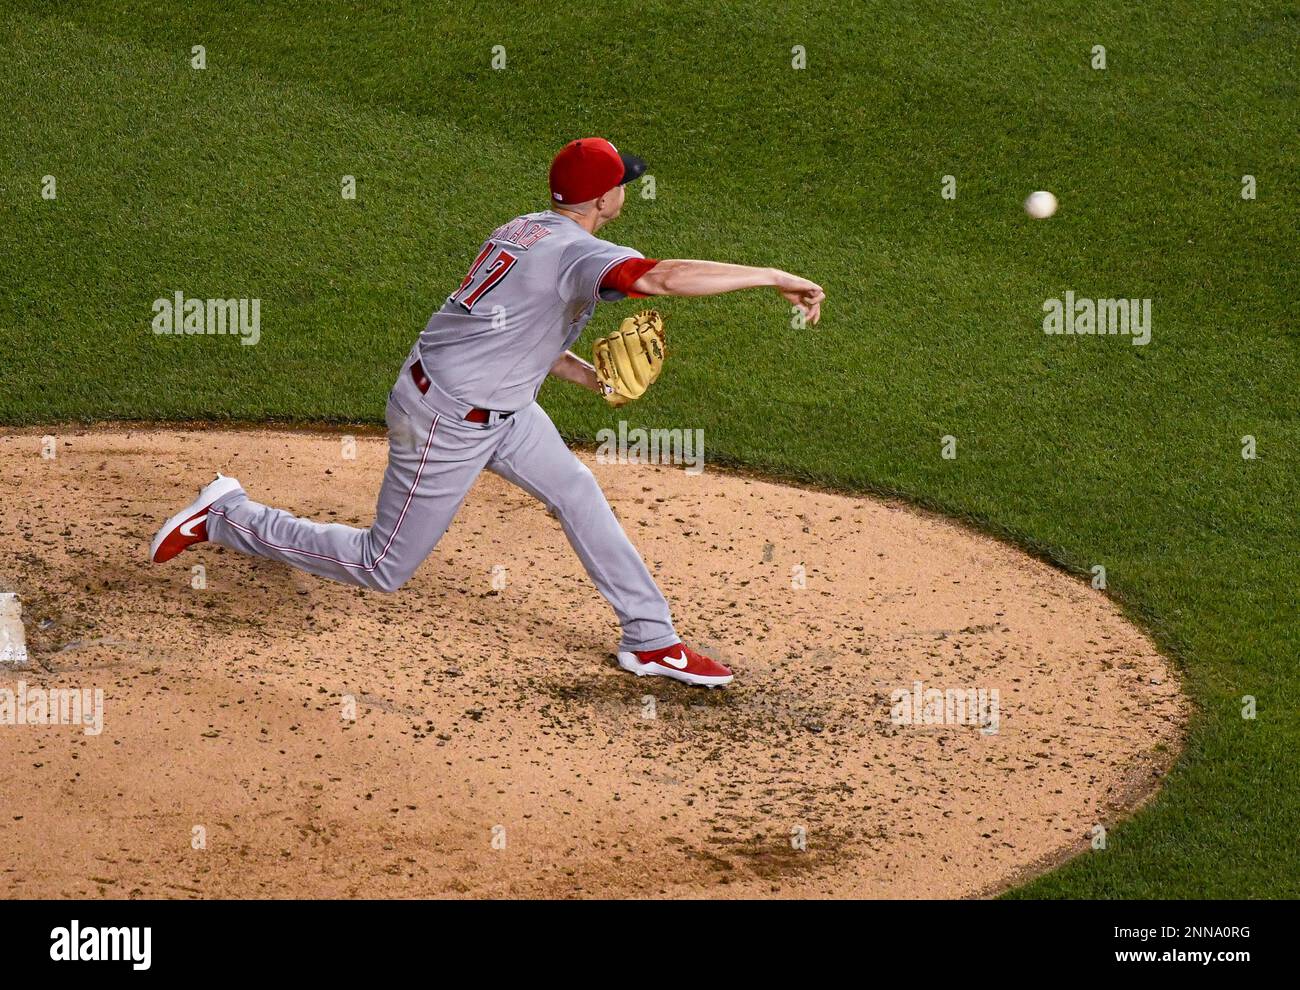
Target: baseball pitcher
{"x": 466, "y": 399}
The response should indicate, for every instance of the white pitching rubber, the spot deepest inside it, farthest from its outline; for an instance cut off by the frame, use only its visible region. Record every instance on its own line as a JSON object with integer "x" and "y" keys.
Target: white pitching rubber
{"x": 13, "y": 641}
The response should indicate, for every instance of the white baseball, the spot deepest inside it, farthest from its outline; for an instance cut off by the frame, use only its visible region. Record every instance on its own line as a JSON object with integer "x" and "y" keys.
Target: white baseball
{"x": 1040, "y": 205}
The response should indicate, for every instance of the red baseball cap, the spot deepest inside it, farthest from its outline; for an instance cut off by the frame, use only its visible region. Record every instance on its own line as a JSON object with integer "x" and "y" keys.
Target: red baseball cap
{"x": 590, "y": 167}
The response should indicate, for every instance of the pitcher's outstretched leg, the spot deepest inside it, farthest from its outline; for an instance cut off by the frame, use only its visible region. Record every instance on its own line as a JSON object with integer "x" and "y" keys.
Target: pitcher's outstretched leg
{"x": 431, "y": 466}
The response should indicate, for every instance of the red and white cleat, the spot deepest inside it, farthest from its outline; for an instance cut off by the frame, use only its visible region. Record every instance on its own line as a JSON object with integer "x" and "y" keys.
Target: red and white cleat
{"x": 679, "y": 662}
{"x": 189, "y": 526}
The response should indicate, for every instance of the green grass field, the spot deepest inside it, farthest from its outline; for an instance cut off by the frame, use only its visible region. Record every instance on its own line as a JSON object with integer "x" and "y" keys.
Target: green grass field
{"x": 225, "y": 182}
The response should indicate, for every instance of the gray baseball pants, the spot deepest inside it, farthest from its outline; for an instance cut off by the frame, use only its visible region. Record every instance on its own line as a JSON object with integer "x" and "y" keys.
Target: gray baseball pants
{"x": 434, "y": 455}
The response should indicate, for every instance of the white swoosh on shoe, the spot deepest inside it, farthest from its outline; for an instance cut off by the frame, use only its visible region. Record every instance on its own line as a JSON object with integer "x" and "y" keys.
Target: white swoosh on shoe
{"x": 187, "y": 529}
{"x": 679, "y": 662}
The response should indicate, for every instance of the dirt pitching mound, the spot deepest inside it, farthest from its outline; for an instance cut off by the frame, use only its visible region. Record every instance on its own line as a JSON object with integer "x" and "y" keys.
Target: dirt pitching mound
{"x": 269, "y": 734}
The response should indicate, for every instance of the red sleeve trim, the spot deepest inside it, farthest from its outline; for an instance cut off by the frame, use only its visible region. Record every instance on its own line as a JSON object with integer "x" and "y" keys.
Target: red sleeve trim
{"x": 624, "y": 275}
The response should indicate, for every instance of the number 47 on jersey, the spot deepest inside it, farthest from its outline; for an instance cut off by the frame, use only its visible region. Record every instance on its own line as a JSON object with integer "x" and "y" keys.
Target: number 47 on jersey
{"x": 484, "y": 275}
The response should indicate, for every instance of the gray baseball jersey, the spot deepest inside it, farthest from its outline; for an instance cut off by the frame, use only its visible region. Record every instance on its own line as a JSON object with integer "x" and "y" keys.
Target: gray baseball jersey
{"x": 531, "y": 289}
{"x": 543, "y": 271}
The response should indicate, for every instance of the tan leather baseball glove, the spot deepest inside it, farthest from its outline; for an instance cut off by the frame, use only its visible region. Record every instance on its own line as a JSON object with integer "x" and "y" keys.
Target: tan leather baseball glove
{"x": 630, "y": 359}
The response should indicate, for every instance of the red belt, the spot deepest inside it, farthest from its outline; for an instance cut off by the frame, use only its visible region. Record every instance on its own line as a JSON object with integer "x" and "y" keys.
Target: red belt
{"x": 474, "y": 415}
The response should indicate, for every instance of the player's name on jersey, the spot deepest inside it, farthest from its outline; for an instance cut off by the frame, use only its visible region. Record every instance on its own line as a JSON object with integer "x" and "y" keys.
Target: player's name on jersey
{"x": 521, "y": 231}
